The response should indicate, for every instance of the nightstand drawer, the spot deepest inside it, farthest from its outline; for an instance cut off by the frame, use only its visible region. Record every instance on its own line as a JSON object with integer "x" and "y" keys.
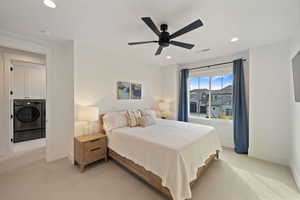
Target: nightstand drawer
{"x": 95, "y": 144}
{"x": 95, "y": 154}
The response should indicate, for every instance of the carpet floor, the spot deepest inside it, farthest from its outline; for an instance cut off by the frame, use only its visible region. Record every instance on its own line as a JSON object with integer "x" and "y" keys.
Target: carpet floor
{"x": 234, "y": 177}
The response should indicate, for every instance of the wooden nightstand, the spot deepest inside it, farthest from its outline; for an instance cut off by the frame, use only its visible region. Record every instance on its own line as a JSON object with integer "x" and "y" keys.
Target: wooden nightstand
{"x": 89, "y": 148}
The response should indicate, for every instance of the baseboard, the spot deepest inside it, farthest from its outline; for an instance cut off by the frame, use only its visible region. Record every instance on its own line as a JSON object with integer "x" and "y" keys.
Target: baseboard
{"x": 71, "y": 158}
{"x": 227, "y": 148}
{"x": 269, "y": 158}
{"x": 53, "y": 157}
{"x": 29, "y": 145}
{"x": 296, "y": 175}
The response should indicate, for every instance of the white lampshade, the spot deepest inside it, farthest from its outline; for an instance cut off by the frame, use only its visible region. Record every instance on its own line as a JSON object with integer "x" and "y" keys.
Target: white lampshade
{"x": 88, "y": 113}
{"x": 164, "y": 106}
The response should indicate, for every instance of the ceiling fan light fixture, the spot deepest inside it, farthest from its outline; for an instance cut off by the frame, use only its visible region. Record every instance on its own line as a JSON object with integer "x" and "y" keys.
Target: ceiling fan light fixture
{"x": 49, "y": 3}
{"x": 234, "y": 39}
{"x": 165, "y": 39}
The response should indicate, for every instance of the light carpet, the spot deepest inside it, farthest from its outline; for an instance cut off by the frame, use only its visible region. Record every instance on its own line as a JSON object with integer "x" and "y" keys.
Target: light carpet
{"x": 234, "y": 177}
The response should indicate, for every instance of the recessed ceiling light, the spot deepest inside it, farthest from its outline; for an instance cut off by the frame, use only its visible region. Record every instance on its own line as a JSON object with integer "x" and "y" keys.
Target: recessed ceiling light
{"x": 49, "y": 3}
{"x": 168, "y": 57}
{"x": 45, "y": 32}
{"x": 234, "y": 39}
{"x": 205, "y": 50}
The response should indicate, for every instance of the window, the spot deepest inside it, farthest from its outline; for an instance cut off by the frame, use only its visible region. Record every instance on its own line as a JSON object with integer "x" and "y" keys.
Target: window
{"x": 211, "y": 96}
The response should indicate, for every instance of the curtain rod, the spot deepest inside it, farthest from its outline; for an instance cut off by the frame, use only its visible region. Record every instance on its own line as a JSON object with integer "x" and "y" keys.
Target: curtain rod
{"x": 208, "y": 66}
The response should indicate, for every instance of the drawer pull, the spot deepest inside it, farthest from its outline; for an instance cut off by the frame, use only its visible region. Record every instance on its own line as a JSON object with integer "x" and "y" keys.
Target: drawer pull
{"x": 96, "y": 149}
{"x": 94, "y": 140}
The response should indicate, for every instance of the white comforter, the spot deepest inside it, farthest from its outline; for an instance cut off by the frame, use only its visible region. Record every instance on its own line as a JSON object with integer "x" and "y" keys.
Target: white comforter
{"x": 170, "y": 149}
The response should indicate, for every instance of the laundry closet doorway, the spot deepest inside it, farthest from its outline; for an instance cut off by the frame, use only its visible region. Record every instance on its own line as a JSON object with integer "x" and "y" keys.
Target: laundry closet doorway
{"x": 24, "y": 100}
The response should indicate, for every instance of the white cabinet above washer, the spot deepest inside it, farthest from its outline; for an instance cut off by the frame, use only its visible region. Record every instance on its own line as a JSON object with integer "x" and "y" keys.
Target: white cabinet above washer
{"x": 29, "y": 82}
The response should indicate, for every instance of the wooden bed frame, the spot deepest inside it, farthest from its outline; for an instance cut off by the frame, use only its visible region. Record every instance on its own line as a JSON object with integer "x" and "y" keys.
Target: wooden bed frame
{"x": 152, "y": 179}
{"x": 149, "y": 177}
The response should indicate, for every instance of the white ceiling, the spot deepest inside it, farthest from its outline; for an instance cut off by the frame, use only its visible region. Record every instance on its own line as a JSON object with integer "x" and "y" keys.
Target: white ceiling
{"x": 111, "y": 24}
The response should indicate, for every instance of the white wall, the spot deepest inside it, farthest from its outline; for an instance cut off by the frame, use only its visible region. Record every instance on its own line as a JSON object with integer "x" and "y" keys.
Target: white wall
{"x": 97, "y": 73}
{"x": 170, "y": 86}
{"x": 60, "y": 107}
{"x": 4, "y": 123}
{"x": 270, "y": 100}
{"x": 295, "y": 140}
{"x": 171, "y": 92}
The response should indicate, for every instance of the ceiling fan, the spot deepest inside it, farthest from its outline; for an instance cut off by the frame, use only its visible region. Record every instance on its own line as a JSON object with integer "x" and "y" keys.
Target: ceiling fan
{"x": 164, "y": 37}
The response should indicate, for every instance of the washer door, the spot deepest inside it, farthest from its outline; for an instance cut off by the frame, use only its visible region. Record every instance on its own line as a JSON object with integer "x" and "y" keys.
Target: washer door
{"x": 28, "y": 114}
{"x": 27, "y": 117}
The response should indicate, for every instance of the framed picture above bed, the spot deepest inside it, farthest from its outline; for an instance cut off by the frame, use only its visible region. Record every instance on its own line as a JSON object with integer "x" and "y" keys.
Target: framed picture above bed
{"x": 136, "y": 91}
{"x": 123, "y": 90}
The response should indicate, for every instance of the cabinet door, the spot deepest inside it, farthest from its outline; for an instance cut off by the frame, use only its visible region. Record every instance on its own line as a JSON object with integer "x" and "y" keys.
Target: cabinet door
{"x": 35, "y": 82}
{"x": 19, "y": 82}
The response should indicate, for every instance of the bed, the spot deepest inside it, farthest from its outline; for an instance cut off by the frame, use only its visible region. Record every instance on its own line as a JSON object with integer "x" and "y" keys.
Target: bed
{"x": 169, "y": 155}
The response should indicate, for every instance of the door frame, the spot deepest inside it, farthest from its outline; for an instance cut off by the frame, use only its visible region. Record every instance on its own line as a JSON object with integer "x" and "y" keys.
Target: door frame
{"x": 9, "y": 58}
{"x": 13, "y": 41}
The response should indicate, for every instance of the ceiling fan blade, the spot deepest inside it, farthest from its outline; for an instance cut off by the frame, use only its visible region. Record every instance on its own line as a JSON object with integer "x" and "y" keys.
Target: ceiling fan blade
{"x": 145, "y": 42}
{"x": 151, "y": 25}
{"x": 196, "y": 24}
{"x": 158, "y": 51}
{"x": 182, "y": 44}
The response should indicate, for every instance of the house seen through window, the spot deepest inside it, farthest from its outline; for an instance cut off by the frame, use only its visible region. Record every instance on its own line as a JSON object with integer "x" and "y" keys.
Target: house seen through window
{"x": 210, "y": 96}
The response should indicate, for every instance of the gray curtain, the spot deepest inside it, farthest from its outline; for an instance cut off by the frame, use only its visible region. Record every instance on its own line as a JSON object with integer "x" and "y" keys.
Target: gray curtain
{"x": 183, "y": 96}
{"x": 240, "y": 115}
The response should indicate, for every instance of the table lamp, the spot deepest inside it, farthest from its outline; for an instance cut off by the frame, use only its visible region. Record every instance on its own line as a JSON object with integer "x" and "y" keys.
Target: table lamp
{"x": 164, "y": 108}
{"x": 88, "y": 114}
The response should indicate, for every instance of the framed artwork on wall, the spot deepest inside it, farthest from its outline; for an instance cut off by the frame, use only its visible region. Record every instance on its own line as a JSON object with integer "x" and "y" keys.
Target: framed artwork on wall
{"x": 123, "y": 90}
{"x": 136, "y": 91}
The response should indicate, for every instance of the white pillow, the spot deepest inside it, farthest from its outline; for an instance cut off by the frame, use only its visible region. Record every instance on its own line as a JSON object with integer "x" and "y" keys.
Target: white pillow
{"x": 147, "y": 120}
{"x": 114, "y": 120}
{"x": 150, "y": 112}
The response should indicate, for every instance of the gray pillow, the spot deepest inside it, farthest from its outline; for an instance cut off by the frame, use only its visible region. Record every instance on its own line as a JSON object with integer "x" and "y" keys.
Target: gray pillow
{"x": 147, "y": 120}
